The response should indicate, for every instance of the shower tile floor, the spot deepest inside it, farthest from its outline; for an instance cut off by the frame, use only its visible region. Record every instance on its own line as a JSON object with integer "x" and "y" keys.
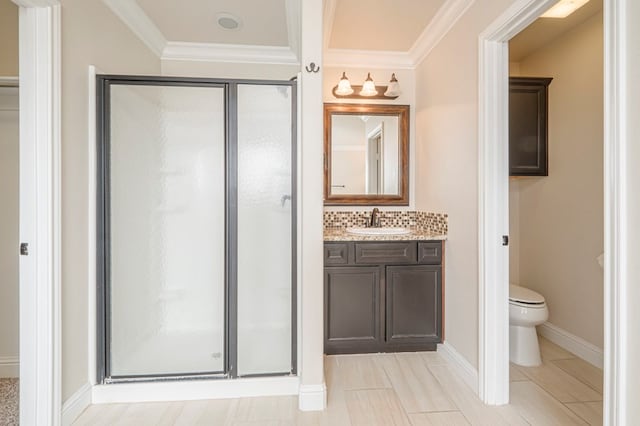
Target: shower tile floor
{"x": 395, "y": 389}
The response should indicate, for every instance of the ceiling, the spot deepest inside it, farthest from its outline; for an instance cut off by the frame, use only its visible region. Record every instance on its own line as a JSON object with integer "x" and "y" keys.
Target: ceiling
{"x": 263, "y": 23}
{"x": 544, "y": 30}
{"x": 393, "y": 34}
{"x": 390, "y": 25}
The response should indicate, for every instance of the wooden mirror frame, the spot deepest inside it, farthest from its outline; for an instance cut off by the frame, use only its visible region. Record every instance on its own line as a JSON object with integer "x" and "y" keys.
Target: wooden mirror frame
{"x": 400, "y": 111}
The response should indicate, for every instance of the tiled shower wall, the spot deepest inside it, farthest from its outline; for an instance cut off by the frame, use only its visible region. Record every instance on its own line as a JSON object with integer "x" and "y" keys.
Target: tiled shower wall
{"x": 434, "y": 222}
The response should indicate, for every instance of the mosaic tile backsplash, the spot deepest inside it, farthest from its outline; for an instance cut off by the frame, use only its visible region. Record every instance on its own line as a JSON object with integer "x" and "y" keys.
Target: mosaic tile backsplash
{"x": 433, "y": 222}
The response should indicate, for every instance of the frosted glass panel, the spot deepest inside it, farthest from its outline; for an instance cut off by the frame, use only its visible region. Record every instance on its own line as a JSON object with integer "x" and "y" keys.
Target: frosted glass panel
{"x": 264, "y": 229}
{"x": 167, "y": 219}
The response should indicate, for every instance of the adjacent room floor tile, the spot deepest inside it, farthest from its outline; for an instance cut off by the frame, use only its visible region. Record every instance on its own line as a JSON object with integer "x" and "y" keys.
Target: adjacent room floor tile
{"x": 591, "y": 412}
{"x": 582, "y": 371}
{"x": 560, "y": 384}
{"x": 539, "y": 407}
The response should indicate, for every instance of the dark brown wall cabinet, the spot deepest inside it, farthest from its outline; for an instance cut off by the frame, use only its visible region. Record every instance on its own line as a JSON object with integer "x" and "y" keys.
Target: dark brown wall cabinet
{"x": 382, "y": 296}
{"x": 528, "y": 117}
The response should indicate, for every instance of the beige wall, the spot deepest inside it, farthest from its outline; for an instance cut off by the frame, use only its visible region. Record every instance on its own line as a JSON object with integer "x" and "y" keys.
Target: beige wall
{"x": 8, "y": 39}
{"x": 406, "y": 79}
{"x": 9, "y": 230}
{"x": 447, "y": 162}
{"x": 91, "y": 35}
{"x": 229, "y": 70}
{"x": 560, "y": 217}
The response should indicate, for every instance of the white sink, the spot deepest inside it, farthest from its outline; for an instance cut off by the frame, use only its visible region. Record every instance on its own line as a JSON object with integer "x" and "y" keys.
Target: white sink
{"x": 379, "y": 231}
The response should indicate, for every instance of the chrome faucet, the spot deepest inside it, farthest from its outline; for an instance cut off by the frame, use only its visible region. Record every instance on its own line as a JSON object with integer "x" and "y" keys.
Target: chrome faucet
{"x": 374, "y": 222}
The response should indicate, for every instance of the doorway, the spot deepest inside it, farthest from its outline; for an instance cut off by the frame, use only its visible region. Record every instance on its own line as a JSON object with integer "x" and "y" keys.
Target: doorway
{"x": 493, "y": 204}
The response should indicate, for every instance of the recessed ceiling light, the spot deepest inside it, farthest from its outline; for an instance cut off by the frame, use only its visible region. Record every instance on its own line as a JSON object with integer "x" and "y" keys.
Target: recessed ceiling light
{"x": 564, "y": 8}
{"x": 228, "y": 21}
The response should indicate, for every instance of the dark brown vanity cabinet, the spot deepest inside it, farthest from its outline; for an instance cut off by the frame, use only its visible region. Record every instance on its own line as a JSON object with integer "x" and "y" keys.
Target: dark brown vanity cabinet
{"x": 528, "y": 117}
{"x": 382, "y": 296}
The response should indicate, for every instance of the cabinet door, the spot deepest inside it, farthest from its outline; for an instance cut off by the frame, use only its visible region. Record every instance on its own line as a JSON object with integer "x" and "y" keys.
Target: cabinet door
{"x": 352, "y": 309}
{"x": 413, "y": 313}
{"x": 528, "y": 152}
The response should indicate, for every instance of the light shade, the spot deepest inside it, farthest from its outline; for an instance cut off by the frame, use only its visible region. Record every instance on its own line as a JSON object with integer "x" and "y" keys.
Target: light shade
{"x": 369, "y": 87}
{"x": 564, "y": 8}
{"x": 394, "y": 87}
{"x": 344, "y": 86}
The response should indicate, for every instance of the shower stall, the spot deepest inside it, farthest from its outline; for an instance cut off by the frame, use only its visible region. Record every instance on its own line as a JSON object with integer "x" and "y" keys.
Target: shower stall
{"x": 196, "y": 228}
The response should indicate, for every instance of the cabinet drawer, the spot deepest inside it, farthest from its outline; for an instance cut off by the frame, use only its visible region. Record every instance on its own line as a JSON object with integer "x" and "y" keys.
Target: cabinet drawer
{"x": 386, "y": 253}
{"x": 430, "y": 253}
{"x": 336, "y": 253}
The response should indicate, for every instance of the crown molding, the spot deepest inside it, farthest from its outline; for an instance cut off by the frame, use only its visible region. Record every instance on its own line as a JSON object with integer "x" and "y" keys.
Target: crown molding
{"x": 442, "y": 22}
{"x": 292, "y": 10}
{"x": 372, "y": 59}
{"x": 237, "y": 53}
{"x": 329, "y": 15}
{"x": 36, "y": 3}
{"x": 137, "y": 20}
{"x": 444, "y": 19}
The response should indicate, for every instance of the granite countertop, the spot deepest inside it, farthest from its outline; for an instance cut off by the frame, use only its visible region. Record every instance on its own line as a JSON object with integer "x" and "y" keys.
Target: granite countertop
{"x": 415, "y": 235}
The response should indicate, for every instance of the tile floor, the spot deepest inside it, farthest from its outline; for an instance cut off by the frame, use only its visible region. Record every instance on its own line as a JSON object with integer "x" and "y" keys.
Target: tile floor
{"x": 416, "y": 389}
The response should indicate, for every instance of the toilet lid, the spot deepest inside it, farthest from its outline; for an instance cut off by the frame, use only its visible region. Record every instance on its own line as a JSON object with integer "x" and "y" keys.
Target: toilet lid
{"x": 524, "y": 295}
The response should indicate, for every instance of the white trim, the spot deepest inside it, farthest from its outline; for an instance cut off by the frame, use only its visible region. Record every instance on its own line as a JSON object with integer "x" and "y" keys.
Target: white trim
{"x": 292, "y": 10}
{"x": 9, "y": 366}
{"x": 616, "y": 278}
{"x": 9, "y": 81}
{"x": 572, "y": 343}
{"x": 460, "y": 365}
{"x": 369, "y": 59}
{"x": 76, "y": 404}
{"x": 493, "y": 197}
{"x": 40, "y": 382}
{"x": 312, "y": 397}
{"x": 445, "y": 18}
{"x": 139, "y": 23}
{"x": 236, "y": 53}
{"x": 91, "y": 225}
{"x": 329, "y": 16}
{"x": 194, "y": 390}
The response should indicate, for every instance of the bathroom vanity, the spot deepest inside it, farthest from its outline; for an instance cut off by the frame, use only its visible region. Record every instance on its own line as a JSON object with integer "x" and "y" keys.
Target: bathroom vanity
{"x": 382, "y": 294}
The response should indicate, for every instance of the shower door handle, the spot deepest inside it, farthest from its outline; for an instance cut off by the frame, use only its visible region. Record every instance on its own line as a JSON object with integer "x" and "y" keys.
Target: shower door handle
{"x": 284, "y": 199}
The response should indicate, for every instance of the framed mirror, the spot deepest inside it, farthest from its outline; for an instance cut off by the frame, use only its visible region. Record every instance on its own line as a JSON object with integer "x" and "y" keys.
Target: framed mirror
{"x": 366, "y": 152}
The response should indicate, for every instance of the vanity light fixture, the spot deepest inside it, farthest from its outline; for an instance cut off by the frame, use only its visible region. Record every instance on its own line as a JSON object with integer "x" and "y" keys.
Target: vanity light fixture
{"x": 563, "y": 8}
{"x": 368, "y": 90}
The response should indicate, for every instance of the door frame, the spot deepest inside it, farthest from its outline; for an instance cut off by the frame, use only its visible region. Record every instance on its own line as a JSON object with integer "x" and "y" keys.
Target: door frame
{"x": 40, "y": 220}
{"x": 493, "y": 219}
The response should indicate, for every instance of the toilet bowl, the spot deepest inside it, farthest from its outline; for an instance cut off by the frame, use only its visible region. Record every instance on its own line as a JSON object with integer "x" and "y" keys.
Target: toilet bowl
{"x": 526, "y": 310}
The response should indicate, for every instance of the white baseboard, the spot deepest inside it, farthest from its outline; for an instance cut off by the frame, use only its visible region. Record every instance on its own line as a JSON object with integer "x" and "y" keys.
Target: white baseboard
{"x": 9, "y": 366}
{"x": 76, "y": 404}
{"x": 460, "y": 365}
{"x": 572, "y": 343}
{"x": 195, "y": 389}
{"x": 312, "y": 397}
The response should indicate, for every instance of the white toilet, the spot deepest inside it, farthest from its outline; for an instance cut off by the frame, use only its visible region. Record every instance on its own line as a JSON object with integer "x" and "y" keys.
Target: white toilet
{"x": 526, "y": 310}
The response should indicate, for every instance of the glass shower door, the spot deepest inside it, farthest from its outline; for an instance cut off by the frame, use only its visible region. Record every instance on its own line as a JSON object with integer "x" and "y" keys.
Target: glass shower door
{"x": 266, "y": 207}
{"x": 166, "y": 228}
